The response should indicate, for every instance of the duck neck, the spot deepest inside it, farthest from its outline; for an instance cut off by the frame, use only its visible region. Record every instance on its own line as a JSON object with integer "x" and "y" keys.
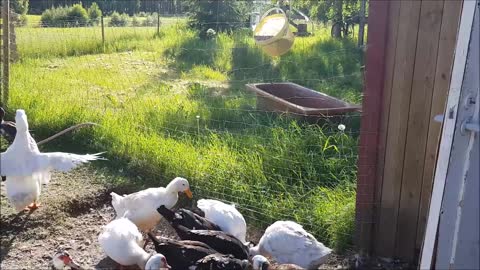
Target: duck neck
{"x": 143, "y": 259}
{"x": 254, "y": 251}
{"x": 171, "y": 188}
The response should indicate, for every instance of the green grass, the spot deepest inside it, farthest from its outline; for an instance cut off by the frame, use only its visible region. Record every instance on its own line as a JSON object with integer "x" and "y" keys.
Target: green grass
{"x": 173, "y": 105}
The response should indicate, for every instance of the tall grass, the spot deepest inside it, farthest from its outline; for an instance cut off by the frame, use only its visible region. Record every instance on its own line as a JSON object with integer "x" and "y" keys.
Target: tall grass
{"x": 173, "y": 105}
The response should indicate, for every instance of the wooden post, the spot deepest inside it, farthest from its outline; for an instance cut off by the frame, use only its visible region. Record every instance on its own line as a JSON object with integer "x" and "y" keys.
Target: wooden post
{"x": 361, "y": 27}
{"x": 370, "y": 124}
{"x": 103, "y": 31}
{"x": 158, "y": 21}
{"x": 6, "y": 50}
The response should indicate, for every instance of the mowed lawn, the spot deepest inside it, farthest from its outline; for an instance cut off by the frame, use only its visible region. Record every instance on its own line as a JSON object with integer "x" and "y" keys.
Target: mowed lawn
{"x": 175, "y": 105}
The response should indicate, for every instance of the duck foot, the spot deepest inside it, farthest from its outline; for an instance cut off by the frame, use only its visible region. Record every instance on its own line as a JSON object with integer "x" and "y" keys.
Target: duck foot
{"x": 33, "y": 206}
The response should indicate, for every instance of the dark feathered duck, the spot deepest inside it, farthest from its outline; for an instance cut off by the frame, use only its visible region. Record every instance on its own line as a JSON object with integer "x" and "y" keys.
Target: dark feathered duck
{"x": 7, "y": 128}
{"x": 187, "y": 218}
{"x": 181, "y": 255}
{"x": 221, "y": 241}
{"x": 219, "y": 262}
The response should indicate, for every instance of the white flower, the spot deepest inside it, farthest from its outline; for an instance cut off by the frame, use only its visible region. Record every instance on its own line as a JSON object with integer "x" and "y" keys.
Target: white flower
{"x": 198, "y": 116}
{"x": 341, "y": 127}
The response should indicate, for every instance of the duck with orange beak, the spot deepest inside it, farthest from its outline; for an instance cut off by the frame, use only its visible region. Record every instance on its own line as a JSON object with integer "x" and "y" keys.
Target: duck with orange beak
{"x": 141, "y": 207}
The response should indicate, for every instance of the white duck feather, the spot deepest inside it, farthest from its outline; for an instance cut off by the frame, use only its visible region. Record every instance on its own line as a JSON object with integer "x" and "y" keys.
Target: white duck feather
{"x": 226, "y": 216}
{"x": 288, "y": 243}
{"x": 121, "y": 240}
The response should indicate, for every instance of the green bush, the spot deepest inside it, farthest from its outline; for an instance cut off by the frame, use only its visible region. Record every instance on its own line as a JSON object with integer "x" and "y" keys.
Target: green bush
{"x": 136, "y": 21}
{"x": 217, "y": 15}
{"x": 150, "y": 20}
{"x": 117, "y": 19}
{"x": 94, "y": 13}
{"x": 75, "y": 15}
{"x": 55, "y": 17}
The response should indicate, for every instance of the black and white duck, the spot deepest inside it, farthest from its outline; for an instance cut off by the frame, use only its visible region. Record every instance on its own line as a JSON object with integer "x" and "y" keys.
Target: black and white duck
{"x": 181, "y": 255}
{"x": 220, "y": 261}
{"x": 219, "y": 240}
{"x": 8, "y": 129}
{"x": 187, "y": 218}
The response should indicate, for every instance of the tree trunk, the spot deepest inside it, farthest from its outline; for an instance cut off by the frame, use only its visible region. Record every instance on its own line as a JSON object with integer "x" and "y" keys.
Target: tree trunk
{"x": 338, "y": 19}
{"x": 361, "y": 27}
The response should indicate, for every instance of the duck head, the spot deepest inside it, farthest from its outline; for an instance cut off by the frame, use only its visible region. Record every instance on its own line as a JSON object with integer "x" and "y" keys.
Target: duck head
{"x": 21, "y": 121}
{"x": 157, "y": 262}
{"x": 259, "y": 262}
{"x": 62, "y": 259}
{"x": 180, "y": 184}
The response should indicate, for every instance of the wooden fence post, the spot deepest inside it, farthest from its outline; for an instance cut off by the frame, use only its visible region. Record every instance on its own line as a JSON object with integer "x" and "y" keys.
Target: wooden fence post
{"x": 103, "y": 31}
{"x": 6, "y": 51}
{"x": 158, "y": 21}
{"x": 370, "y": 124}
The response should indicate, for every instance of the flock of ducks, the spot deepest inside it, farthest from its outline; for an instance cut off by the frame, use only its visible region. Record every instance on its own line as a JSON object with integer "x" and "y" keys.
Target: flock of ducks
{"x": 213, "y": 235}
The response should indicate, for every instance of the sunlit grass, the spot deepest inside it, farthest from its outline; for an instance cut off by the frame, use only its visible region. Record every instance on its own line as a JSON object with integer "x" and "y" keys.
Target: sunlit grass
{"x": 174, "y": 105}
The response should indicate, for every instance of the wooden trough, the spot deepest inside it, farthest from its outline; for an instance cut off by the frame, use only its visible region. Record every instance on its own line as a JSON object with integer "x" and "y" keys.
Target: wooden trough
{"x": 298, "y": 101}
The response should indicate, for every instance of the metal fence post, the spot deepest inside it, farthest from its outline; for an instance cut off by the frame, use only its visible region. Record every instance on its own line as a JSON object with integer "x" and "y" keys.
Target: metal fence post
{"x": 6, "y": 51}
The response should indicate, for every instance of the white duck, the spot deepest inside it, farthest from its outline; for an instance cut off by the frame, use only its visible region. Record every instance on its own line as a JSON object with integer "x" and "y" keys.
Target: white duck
{"x": 27, "y": 168}
{"x": 288, "y": 243}
{"x": 226, "y": 216}
{"x": 141, "y": 207}
{"x": 121, "y": 240}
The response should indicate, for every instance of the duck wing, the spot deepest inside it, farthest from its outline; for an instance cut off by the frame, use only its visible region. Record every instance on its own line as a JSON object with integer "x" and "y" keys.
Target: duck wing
{"x": 288, "y": 242}
{"x": 193, "y": 221}
{"x": 220, "y": 261}
{"x": 222, "y": 242}
{"x": 63, "y": 161}
{"x": 180, "y": 254}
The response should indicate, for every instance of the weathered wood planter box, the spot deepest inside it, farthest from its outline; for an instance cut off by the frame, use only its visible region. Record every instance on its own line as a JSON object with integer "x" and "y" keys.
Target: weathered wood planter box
{"x": 298, "y": 100}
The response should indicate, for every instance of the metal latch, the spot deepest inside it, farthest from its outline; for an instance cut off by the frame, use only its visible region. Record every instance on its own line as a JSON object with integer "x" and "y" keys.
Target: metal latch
{"x": 468, "y": 125}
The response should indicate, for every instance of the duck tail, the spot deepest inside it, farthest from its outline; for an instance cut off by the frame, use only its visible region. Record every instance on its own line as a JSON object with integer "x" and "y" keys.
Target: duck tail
{"x": 116, "y": 201}
{"x": 155, "y": 241}
{"x": 166, "y": 213}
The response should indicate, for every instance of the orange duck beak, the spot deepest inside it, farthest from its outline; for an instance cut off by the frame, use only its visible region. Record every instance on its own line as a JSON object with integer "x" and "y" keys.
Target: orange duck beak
{"x": 189, "y": 194}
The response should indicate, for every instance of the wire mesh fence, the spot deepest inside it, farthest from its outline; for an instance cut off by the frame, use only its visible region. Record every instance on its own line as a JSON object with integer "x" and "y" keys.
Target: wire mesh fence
{"x": 172, "y": 102}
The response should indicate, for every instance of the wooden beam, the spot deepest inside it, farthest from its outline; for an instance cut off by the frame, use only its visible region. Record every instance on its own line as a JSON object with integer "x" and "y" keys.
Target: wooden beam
{"x": 417, "y": 127}
{"x": 446, "y": 49}
{"x": 372, "y": 106}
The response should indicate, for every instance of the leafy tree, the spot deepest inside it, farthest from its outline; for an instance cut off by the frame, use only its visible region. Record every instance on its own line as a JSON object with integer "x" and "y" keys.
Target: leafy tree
{"x": 219, "y": 15}
{"x": 340, "y": 12}
{"x": 19, "y": 6}
{"x": 77, "y": 15}
{"x": 94, "y": 13}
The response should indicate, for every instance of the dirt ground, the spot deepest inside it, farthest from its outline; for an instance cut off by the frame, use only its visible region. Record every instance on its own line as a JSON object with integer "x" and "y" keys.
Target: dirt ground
{"x": 74, "y": 208}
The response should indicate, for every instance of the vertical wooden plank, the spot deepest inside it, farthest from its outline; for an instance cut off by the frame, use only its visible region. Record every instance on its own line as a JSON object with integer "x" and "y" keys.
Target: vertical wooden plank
{"x": 417, "y": 129}
{"x": 394, "y": 19}
{"x": 397, "y": 127}
{"x": 446, "y": 49}
{"x": 373, "y": 91}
